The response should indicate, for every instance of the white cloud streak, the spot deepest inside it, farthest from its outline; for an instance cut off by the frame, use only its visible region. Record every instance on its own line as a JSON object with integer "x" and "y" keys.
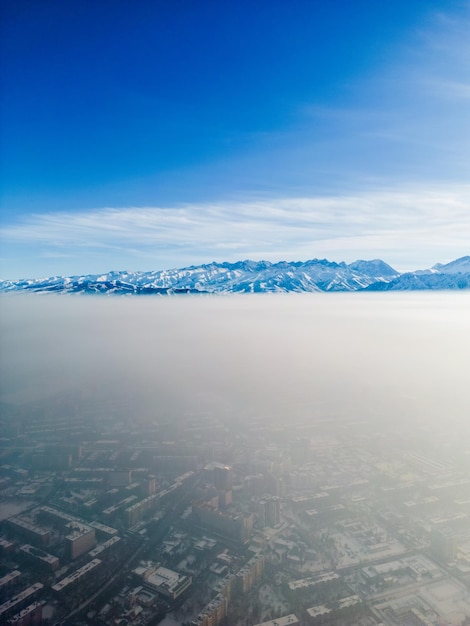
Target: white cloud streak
{"x": 413, "y": 226}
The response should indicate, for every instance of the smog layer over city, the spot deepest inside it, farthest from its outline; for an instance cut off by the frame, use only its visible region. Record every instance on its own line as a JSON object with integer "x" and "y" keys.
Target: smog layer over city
{"x": 181, "y": 459}
{"x": 385, "y": 357}
{"x": 235, "y": 313}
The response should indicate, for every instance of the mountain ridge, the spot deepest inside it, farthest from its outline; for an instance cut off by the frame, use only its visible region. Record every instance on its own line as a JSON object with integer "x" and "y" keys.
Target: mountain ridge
{"x": 248, "y": 276}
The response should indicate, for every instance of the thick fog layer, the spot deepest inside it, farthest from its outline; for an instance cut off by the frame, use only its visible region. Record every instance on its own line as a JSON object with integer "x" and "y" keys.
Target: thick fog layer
{"x": 394, "y": 358}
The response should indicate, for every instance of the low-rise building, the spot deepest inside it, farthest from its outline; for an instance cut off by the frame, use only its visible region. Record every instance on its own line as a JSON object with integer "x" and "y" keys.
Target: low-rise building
{"x": 163, "y": 580}
{"x": 287, "y": 620}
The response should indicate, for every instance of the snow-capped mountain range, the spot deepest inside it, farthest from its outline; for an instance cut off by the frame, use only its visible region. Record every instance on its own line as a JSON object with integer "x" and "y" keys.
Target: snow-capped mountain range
{"x": 256, "y": 277}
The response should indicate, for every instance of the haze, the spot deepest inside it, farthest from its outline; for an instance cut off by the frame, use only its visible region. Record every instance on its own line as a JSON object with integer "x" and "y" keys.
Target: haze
{"x": 396, "y": 359}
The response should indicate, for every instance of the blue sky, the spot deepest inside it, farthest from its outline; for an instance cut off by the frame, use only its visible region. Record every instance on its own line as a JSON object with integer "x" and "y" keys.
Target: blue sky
{"x": 152, "y": 135}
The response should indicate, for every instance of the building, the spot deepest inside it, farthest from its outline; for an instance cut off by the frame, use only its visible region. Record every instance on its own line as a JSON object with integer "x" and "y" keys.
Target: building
{"x": 23, "y": 528}
{"x": 443, "y": 545}
{"x": 269, "y": 511}
{"x": 312, "y": 581}
{"x": 46, "y": 460}
{"x": 318, "y": 614}
{"x": 6, "y": 546}
{"x": 254, "y": 485}
{"x": 80, "y": 540}
{"x": 112, "y": 510}
{"x": 148, "y": 486}
{"x": 103, "y": 531}
{"x": 30, "y": 616}
{"x": 225, "y": 499}
{"x": 223, "y": 477}
{"x": 103, "y": 547}
{"x": 287, "y": 620}
{"x": 163, "y": 580}
{"x": 273, "y": 511}
{"x": 235, "y": 526}
{"x": 78, "y": 578}
{"x": 9, "y": 580}
{"x": 39, "y": 557}
{"x": 55, "y": 517}
{"x": 213, "y": 613}
{"x": 12, "y": 606}
{"x": 226, "y": 586}
{"x": 135, "y": 513}
{"x": 250, "y": 574}
{"x": 119, "y": 478}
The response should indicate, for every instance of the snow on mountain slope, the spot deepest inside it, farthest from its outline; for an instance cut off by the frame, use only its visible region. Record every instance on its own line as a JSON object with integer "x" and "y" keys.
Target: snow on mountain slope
{"x": 413, "y": 281}
{"x": 459, "y": 266}
{"x": 256, "y": 277}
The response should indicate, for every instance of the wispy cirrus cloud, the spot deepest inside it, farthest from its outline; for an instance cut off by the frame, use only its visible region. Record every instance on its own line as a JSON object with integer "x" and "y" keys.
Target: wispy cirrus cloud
{"x": 408, "y": 228}
{"x": 404, "y": 121}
